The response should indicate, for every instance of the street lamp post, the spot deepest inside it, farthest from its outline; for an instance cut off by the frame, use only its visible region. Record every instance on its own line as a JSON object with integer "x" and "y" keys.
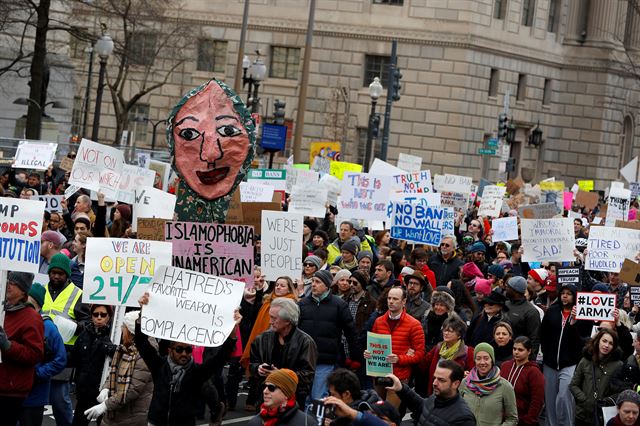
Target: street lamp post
{"x": 104, "y": 48}
{"x": 155, "y": 127}
{"x": 375, "y": 90}
{"x": 257, "y": 72}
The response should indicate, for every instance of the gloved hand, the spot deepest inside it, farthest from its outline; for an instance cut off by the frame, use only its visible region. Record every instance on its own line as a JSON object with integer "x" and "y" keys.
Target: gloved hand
{"x": 104, "y": 395}
{"x": 96, "y": 411}
{"x": 5, "y": 344}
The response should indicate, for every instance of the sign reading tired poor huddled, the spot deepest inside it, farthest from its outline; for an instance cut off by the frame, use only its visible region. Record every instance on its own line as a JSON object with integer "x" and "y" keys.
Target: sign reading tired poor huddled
{"x": 609, "y": 247}
{"x": 20, "y": 228}
{"x": 190, "y": 307}
{"x": 595, "y": 306}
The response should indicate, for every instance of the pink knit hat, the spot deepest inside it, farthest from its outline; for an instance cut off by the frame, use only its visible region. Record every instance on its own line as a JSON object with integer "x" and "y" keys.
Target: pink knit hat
{"x": 483, "y": 286}
{"x": 470, "y": 269}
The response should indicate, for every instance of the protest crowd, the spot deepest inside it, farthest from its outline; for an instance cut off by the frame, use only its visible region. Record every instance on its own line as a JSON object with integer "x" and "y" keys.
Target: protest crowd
{"x": 440, "y": 302}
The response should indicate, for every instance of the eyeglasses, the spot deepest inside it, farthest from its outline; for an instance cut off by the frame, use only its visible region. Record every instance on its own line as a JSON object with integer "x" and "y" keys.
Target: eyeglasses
{"x": 309, "y": 264}
{"x": 414, "y": 283}
{"x": 180, "y": 349}
{"x": 445, "y": 245}
{"x": 99, "y": 314}
{"x": 271, "y": 387}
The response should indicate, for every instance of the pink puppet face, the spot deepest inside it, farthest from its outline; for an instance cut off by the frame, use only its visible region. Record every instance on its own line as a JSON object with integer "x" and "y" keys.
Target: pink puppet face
{"x": 210, "y": 143}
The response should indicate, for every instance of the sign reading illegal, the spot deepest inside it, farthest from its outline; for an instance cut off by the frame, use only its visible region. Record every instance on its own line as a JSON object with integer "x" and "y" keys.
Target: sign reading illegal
{"x": 595, "y": 306}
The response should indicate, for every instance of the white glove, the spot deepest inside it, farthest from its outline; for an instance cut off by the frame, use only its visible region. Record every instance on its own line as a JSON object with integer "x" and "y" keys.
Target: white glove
{"x": 104, "y": 395}
{"x": 96, "y": 411}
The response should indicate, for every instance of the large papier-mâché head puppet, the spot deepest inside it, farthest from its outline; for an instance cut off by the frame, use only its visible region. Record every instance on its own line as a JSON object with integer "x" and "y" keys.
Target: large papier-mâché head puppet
{"x": 212, "y": 139}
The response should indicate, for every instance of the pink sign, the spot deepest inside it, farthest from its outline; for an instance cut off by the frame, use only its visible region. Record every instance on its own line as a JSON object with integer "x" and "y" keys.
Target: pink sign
{"x": 221, "y": 250}
{"x": 568, "y": 200}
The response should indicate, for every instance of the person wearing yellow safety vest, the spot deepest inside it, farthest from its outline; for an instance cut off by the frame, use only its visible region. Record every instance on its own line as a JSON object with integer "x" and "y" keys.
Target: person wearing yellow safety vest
{"x": 64, "y": 300}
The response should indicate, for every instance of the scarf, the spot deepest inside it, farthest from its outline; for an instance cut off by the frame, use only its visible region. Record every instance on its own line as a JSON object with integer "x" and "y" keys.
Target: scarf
{"x": 16, "y": 307}
{"x": 483, "y": 387}
{"x": 121, "y": 372}
{"x": 178, "y": 372}
{"x": 270, "y": 416}
{"x": 449, "y": 352}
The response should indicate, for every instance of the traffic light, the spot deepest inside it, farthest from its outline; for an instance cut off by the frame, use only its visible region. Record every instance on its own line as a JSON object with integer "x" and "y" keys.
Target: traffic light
{"x": 503, "y": 126}
{"x": 396, "y": 86}
{"x": 375, "y": 126}
{"x": 511, "y": 165}
{"x": 278, "y": 112}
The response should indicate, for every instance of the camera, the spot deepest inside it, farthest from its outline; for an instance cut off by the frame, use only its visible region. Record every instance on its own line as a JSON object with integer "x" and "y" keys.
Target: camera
{"x": 384, "y": 381}
{"x": 322, "y": 411}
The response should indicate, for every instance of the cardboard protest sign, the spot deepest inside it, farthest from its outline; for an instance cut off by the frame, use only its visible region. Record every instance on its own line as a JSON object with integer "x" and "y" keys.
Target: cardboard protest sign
{"x": 587, "y": 199}
{"x": 380, "y": 346}
{"x": 339, "y": 168}
{"x": 505, "y": 229}
{"x": 133, "y": 177}
{"x": 34, "y": 155}
{"x": 308, "y": 200}
{"x": 617, "y": 204}
{"x": 418, "y": 224}
{"x": 514, "y": 185}
{"x": 118, "y": 270}
{"x": 452, "y": 183}
{"x": 190, "y": 307}
{"x": 609, "y": 247}
{"x": 281, "y": 253}
{"x": 151, "y": 229}
{"x": 538, "y": 211}
{"x": 213, "y": 248}
{"x": 66, "y": 164}
{"x": 300, "y": 177}
{"x": 456, "y": 200}
{"x": 333, "y": 185}
{"x": 152, "y": 202}
{"x": 491, "y": 204}
{"x": 409, "y": 163}
{"x": 272, "y": 177}
{"x": 567, "y": 275}
{"x": 630, "y": 273}
{"x": 585, "y": 185}
{"x": 251, "y": 192}
{"x": 628, "y": 225}
{"x": 364, "y": 196}
{"x": 252, "y": 213}
{"x": 417, "y": 182}
{"x": 162, "y": 172}
{"x": 97, "y": 167}
{"x": 20, "y": 228}
{"x": 595, "y": 306}
{"x": 547, "y": 240}
{"x": 52, "y": 202}
{"x": 234, "y": 214}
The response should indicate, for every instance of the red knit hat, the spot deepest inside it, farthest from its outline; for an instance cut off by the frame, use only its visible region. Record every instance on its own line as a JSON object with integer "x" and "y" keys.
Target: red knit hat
{"x": 539, "y": 275}
{"x": 551, "y": 283}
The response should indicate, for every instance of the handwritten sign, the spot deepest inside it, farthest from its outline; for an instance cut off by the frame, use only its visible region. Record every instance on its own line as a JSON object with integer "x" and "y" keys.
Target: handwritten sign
{"x": 52, "y": 202}
{"x": 151, "y": 229}
{"x": 364, "y": 196}
{"x": 538, "y": 211}
{"x": 281, "y": 251}
{"x": 409, "y": 163}
{"x": 609, "y": 247}
{"x": 491, "y": 204}
{"x": 547, "y": 240}
{"x": 505, "y": 229}
{"x": 617, "y": 205}
{"x": 595, "y": 306}
{"x": 308, "y": 200}
{"x": 418, "y": 224}
{"x": 339, "y": 168}
{"x": 380, "y": 346}
{"x": 66, "y": 164}
{"x": 568, "y": 275}
{"x": 333, "y": 185}
{"x": 20, "y": 228}
{"x": 272, "y": 177}
{"x": 133, "y": 177}
{"x": 297, "y": 176}
{"x": 190, "y": 307}
{"x": 587, "y": 199}
{"x": 118, "y": 270}
{"x": 452, "y": 183}
{"x": 152, "y": 202}
{"x": 321, "y": 154}
{"x": 585, "y": 185}
{"x": 417, "y": 182}
{"x": 34, "y": 155}
{"x": 251, "y": 192}
{"x": 97, "y": 167}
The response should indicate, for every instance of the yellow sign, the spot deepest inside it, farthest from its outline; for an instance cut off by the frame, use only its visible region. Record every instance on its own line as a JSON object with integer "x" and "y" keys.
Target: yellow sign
{"x": 328, "y": 150}
{"x": 585, "y": 185}
{"x": 552, "y": 186}
{"x": 338, "y": 168}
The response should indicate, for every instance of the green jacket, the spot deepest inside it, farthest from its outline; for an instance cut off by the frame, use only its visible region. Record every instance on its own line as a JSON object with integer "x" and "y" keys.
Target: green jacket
{"x": 334, "y": 249}
{"x": 497, "y": 409}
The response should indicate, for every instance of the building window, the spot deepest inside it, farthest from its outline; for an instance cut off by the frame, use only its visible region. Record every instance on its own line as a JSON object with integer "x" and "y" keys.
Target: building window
{"x": 212, "y": 55}
{"x": 142, "y": 48}
{"x": 500, "y": 9}
{"x": 76, "y": 115}
{"x": 494, "y": 80}
{"x": 376, "y": 66}
{"x": 522, "y": 87}
{"x": 395, "y": 2}
{"x": 554, "y": 15}
{"x": 363, "y": 133}
{"x": 138, "y": 116}
{"x": 285, "y": 62}
{"x": 627, "y": 141}
{"x": 546, "y": 93}
{"x": 78, "y": 47}
{"x": 528, "y": 12}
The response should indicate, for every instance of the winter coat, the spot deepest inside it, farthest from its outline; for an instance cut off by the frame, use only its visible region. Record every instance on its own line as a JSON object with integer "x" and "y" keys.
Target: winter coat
{"x": 366, "y": 305}
{"x": 291, "y": 417}
{"x": 417, "y": 306}
{"x": 434, "y": 411}
{"x": 333, "y": 249}
{"x": 87, "y": 356}
{"x": 582, "y": 383}
{"x": 502, "y": 353}
{"x": 525, "y": 321}
{"x": 616, "y": 421}
{"x": 432, "y": 328}
{"x": 25, "y": 330}
{"x": 562, "y": 345}
{"x": 528, "y": 384}
{"x": 369, "y": 397}
{"x": 376, "y": 290}
{"x": 464, "y": 357}
{"x": 132, "y": 411}
{"x": 325, "y": 321}
{"x": 445, "y": 270}
{"x": 406, "y": 335}
{"x": 627, "y": 376}
{"x": 481, "y": 328}
{"x": 496, "y": 409}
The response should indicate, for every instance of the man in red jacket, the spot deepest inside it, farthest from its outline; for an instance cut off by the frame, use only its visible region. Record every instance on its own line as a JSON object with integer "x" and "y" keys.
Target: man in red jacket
{"x": 21, "y": 346}
{"x": 407, "y": 340}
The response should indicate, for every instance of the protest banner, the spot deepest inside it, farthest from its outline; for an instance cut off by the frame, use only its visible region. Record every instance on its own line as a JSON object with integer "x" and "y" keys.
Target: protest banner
{"x": 609, "y": 247}
{"x": 97, "y": 167}
{"x": 587, "y": 199}
{"x": 66, "y": 164}
{"x": 379, "y": 345}
{"x": 417, "y": 182}
{"x": 630, "y": 273}
{"x": 419, "y": 224}
{"x": 452, "y": 183}
{"x": 332, "y": 184}
{"x": 133, "y": 177}
{"x": 272, "y": 177}
{"x": 251, "y": 192}
{"x": 595, "y": 306}
{"x": 212, "y": 248}
{"x": 52, "y": 202}
{"x": 162, "y": 171}
{"x": 308, "y": 201}
{"x": 409, "y": 163}
{"x": 20, "y": 229}
{"x": 567, "y": 275}
{"x": 190, "y": 307}
{"x": 491, "y": 204}
{"x": 456, "y": 200}
{"x": 118, "y": 270}
{"x": 301, "y": 177}
{"x": 34, "y": 155}
{"x": 281, "y": 242}
{"x": 364, "y": 196}
{"x": 635, "y": 295}
{"x": 505, "y": 229}
{"x": 321, "y": 154}
{"x": 585, "y": 185}
{"x": 382, "y": 168}
{"x": 429, "y": 199}
{"x": 547, "y": 240}
{"x": 151, "y": 229}
{"x": 152, "y": 202}
{"x": 617, "y": 204}
{"x": 538, "y": 211}
{"x": 339, "y": 168}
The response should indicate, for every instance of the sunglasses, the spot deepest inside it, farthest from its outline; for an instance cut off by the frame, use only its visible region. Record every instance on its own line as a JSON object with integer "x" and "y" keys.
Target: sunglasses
{"x": 180, "y": 349}
{"x": 271, "y": 387}
{"x": 99, "y": 314}
{"x": 445, "y": 245}
{"x": 309, "y": 264}
{"x": 474, "y": 224}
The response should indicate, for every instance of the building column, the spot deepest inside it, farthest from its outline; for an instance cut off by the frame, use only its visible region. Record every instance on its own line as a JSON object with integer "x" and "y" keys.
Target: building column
{"x": 574, "y": 21}
{"x": 602, "y": 23}
{"x": 632, "y": 33}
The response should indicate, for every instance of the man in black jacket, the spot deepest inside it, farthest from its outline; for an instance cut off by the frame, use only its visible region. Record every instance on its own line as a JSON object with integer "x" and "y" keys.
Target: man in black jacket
{"x": 445, "y": 406}
{"x": 446, "y": 264}
{"x": 177, "y": 380}
{"x": 325, "y": 318}
{"x": 285, "y": 346}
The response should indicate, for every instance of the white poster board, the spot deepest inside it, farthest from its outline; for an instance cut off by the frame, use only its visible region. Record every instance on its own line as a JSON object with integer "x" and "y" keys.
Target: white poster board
{"x": 364, "y": 196}
{"x": 491, "y": 204}
{"x": 281, "y": 251}
{"x": 300, "y": 177}
{"x": 97, "y": 167}
{"x": 547, "y": 240}
{"x": 595, "y": 306}
{"x": 252, "y": 192}
{"x": 52, "y": 202}
{"x": 617, "y": 204}
{"x": 333, "y": 185}
{"x": 20, "y": 229}
{"x": 409, "y": 163}
{"x": 308, "y": 201}
{"x": 411, "y": 183}
{"x": 152, "y": 203}
{"x": 505, "y": 229}
{"x": 34, "y": 155}
{"x": 609, "y": 246}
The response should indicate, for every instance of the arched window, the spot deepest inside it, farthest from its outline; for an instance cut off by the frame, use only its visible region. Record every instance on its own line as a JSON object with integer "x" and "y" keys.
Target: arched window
{"x": 627, "y": 140}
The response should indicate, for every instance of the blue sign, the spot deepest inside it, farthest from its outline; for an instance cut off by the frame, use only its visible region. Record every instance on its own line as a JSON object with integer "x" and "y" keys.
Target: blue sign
{"x": 274, "y": 137}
